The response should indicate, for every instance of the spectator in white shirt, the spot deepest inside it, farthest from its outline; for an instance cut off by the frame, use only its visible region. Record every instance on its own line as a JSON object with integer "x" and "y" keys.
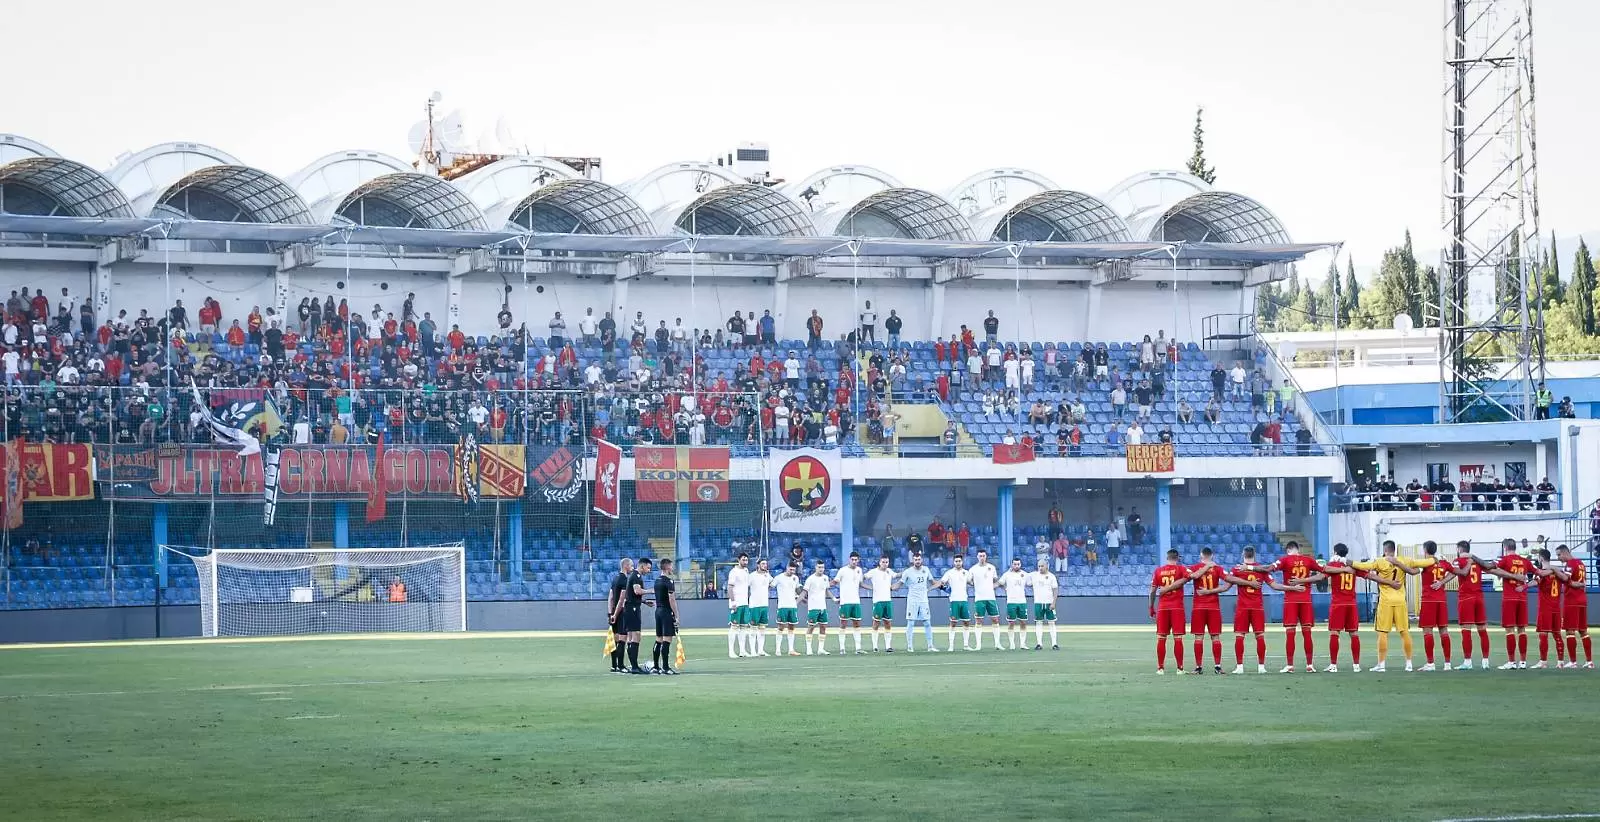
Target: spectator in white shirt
{"x": 591, "y": 374}
{"x": 1236, "y": 379}
{"x": 869, "y": 322}
{"x": 11, "y": 359}
{"x": 1027, "y": 370}
{"x": 1013, "y": 371}
{"x": 588, "y": 326}
{"x": 791, "y": 371}
{"x": 302, "y": 432}
{"x": 1135, "y": 433}
{"x": 67, "y": 375}
{"x": 975, "y": 367}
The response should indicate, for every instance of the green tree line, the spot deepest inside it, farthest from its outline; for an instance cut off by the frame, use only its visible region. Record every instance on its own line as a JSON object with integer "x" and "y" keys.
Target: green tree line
{"x": 1405, "y": 286}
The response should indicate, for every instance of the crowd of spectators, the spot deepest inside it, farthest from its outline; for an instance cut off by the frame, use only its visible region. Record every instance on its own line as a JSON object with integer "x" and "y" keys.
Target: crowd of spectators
{"x": 1481, "y": 492}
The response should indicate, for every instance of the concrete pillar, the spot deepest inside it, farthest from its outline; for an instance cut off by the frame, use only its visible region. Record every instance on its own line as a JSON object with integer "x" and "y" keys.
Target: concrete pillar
{"x": 1163, "y": 518}
{"x": 780, "y": 312}
{"x": 685, "y": 535}
{"x": 847, "y": 534}
{"x": 280, "y": 299}
{"x": 619, "y": 311}
{"x": 1091, "y": 310}
{"x": 1321, "y": 500}
{"x": 453, "y": 307}
{"x": 341, "y": 525}
{"x": 158, "y": 539}
{"x": 936, "y": 325}
{"x": 1007, "y": 500}
{"x": 1541, "y": 461}
{"x": 1276, "y": 505}
{"x": 99, "y": 295}
{"x": 514, "y": 539}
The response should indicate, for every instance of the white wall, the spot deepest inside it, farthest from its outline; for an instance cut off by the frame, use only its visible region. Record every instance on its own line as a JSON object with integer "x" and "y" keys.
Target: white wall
{"x": 236, "y": 288}
{"x": 1411, "y": 462}
{"x": 52, "y": 277}
{"x": 1365, "y": 532}
{"x": 708, "y": 304}
{"x": 976, "y": 504}
{"x": 363, "y": 288}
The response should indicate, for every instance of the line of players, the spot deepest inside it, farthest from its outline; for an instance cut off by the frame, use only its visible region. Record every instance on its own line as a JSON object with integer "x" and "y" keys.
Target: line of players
{"x": 1561, "y": 585}
{"x": 748, "y": 594}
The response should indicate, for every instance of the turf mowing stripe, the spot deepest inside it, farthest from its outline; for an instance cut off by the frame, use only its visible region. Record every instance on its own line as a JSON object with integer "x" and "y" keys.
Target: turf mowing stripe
{"x": 1528, "y": 818}
{"x": 456, "y": 635}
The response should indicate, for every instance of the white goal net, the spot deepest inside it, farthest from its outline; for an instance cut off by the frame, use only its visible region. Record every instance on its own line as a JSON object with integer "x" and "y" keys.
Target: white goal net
{"x": 247, "y": 592}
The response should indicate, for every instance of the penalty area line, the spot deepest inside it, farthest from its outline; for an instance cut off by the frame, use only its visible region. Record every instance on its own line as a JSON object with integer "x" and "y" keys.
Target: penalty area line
{"x": 1534, "y": 817}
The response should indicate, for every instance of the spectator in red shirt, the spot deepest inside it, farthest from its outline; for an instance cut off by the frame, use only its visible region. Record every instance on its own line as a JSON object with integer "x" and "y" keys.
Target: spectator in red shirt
{"x": 963, "y": 538}
{"x": 456, "y": 339}
{"x": 235, "y": 335}
{"x": 936, "y": 532}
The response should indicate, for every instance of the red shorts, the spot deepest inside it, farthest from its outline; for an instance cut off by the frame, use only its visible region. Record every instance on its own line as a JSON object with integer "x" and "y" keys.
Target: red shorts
{"x": 1470, "y": 612}
{"x": 1249, "y": 620}
{"x": 1575, "y": 617}
{"x": 1513, "y": 613}
{"x": 1343, "y": 616}
{"x": 1169, "y": 621}
{"x": 1298, "y": 613}
{"x": 1206, "y": 621}
{"x": 1434, "y": 615}
{"x": 1549, "y": 617}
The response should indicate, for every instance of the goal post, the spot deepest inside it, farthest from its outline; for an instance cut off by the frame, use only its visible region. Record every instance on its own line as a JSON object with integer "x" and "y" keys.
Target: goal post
{"x": 267, "y": 592}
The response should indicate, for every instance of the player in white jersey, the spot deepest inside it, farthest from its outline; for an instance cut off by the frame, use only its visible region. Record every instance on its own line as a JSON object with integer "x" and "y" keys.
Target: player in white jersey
{"x": 882, "y": 580}
{"x": 1045, "y": 587}
{"x": 849, "y": 581}
{"x": 760, "y": 589}
{"x": 1015, "y": 581}
{"x": 787, "y": 584}
{"x": 738, "y": 594}
{"x": 955, "y": 581}
{"x": 983, "y": 577}
{"x": 916, "y": 580}
{"x": 816, "y": 593}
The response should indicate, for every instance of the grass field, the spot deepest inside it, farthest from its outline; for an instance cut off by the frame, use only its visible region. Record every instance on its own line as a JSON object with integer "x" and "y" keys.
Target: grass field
{"x": 532, "y": 727}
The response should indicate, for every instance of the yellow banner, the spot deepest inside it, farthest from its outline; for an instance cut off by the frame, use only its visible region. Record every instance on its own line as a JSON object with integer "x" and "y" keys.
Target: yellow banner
{"x": 1153, "y": 458}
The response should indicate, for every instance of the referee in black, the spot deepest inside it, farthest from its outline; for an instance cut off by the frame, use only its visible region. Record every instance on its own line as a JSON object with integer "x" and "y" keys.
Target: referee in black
{"x": 633, "y": 613}
{"x": 615, "y": 602}
{"x": 666, "y": 619}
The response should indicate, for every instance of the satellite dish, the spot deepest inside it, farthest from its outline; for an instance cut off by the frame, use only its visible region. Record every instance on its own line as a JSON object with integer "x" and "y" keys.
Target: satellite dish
{"x": 505, "y": 134}
{"x": 435, "y": 97}
{"x": 451, "y": 133}
{"x": 417, "y": 137}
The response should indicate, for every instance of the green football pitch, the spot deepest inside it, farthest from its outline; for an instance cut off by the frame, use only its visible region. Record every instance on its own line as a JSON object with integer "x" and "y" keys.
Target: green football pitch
{"x": 481, "y": 727}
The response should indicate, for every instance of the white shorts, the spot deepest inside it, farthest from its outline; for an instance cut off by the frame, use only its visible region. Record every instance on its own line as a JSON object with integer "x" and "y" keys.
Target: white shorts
{"x": 917, "y": 612}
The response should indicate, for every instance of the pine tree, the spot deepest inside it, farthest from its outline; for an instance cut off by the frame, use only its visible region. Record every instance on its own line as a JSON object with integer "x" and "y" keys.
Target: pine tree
{"x": 1582, "y": 291}
{"x": 1412, "y": 281}
{"x": 1350, "y": 297}
{"x": 1197, "y": 161}
{"x": 1267, "y": 306}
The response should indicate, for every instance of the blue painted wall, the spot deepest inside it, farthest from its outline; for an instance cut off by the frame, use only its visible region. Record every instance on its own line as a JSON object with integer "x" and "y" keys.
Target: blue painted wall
{"x": 1418, "y": 403}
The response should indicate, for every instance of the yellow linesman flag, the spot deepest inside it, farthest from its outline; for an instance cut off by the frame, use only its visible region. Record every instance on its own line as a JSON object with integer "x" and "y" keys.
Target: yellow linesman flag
{"x": 677, "y": 660}
{"x": 611, "y": 643}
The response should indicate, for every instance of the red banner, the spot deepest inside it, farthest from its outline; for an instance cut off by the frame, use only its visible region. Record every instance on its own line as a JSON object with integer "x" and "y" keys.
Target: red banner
{"x": 378, "y": 495}
{"x": 1013, "y": 454}
{"x": 12, "y": 498}
{"x": 608, "y": 479}
{"x": 56, "y": 473}
{"x": 1152, "y": 458}
{"x": 680, "y": 474}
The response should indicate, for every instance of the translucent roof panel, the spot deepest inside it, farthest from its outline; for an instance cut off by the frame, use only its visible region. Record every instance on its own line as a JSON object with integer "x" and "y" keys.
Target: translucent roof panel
{"x": 917, "y": 214}
{"x": 746, "y": 209}
{"x": 411, "y": 200}
{"x": 76, "y": 189}
{"x": 580, "y": 206}
{"x": 1219, "y": 217}
{"x": 236, "y": 194}
{"x": 1059, "y": 216}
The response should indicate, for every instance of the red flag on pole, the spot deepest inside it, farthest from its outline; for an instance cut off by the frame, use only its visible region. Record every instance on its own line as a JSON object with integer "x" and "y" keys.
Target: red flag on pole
{"x": 1013, "y": 454}
{"x": 377, "y": 495}
{"x": 608, "y": 479}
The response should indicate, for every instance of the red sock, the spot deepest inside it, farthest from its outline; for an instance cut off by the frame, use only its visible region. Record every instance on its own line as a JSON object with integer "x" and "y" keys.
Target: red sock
{"x": 1216, "y": 650}
{"x": 1544, "y": 646}
{"x": 1199, "y": 645}
{"x": 1483, "y": 641}
{"x": 1305, "y": 633}
{"x": 1238, "y": 649}
{"x": 1444, "y": 639}
{"x": 1333, "y": 648}
{"x": 1288, "y": 646}
{"x": 1177, "y": 651}
{"x": 1427, "y": 645}
{"x": 1355, "y": 648}
{"x": 1572, "y": 647}
{"x": 1261, "y": 649}
{"x": 1522, "y": 647}
{"x": 1588, "y": 649}
{"x": 1466, "y": 642}
{"x": 1161, "y": 653}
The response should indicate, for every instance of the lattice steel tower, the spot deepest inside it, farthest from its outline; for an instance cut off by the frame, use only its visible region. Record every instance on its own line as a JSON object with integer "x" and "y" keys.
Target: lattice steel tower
{"x": 1492, "y": 360}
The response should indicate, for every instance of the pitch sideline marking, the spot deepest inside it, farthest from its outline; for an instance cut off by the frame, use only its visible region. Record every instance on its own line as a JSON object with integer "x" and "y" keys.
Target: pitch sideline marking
{"x": 453, "y": 636}
{"x": 315, "y": 716}
{"x": 1529, "y": 818}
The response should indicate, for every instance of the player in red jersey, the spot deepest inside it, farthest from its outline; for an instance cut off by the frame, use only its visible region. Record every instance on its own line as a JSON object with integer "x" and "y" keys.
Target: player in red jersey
{"x": 1575, "y": 611}
{"x": 1514, "y": 569}
{"x": 1434, "y": 614}
{"x": 1551, "y": 588}
{"x": 1207, "y": 617}
{"x": 1343, "y": 615}
{"x": 1470, "y": 611}
{"x": 1167, "y": 584}
{"x": 1299, "y": 573}
{"x": 1249, "y": 612}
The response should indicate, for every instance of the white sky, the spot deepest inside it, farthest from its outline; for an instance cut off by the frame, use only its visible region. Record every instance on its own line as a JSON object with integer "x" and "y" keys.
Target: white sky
{"x": 1327, "y": 112}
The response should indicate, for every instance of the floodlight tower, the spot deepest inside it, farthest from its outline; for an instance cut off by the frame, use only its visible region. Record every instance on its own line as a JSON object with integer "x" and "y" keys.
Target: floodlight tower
{"x": 1491, "y": 215}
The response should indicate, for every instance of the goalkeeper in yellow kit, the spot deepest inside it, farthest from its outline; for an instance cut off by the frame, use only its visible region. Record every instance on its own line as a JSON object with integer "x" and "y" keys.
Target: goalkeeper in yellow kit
{"x": 1392, "y": 615}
